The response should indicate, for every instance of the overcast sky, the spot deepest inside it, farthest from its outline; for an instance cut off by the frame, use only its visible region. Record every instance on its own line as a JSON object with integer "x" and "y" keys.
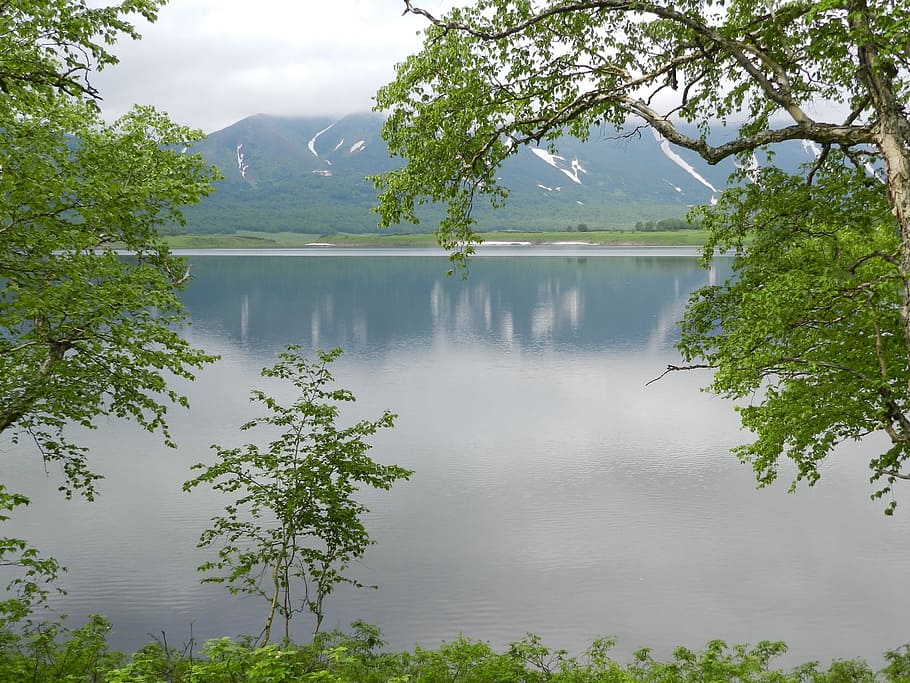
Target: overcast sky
{"x": 209, "y": 63}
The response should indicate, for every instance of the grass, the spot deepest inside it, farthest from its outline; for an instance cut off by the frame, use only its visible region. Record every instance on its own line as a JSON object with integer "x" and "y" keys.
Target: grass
{"x": 251, "y": 239}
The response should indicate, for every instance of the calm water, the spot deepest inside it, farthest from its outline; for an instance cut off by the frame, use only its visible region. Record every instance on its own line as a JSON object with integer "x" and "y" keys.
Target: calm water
{"x": 554, "y": 492}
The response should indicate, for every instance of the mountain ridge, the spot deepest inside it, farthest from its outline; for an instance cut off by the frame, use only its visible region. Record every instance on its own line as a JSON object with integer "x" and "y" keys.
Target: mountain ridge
{"x": 309, "y": 175}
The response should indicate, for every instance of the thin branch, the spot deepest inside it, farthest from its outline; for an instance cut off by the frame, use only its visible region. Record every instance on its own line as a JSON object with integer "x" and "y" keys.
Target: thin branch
{"x": 891, "y": 473}
{"x": 861, "y": 107}
{"x": 889, "y": 258}
{"x": 678, "y": 368}
{"x": 819, "y": 162}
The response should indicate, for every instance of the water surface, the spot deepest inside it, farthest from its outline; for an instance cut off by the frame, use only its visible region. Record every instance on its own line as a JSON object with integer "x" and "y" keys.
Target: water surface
{"x": 554, "y": 492}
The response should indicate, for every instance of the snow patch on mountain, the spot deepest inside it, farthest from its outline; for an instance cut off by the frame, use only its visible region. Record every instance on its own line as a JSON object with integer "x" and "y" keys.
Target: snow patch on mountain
{"x": 242, "y": 166}
{"x": 546, "y": 156}
{"x": 576, "y": 169}
{"x": 811, "y": 149}
{"x": 311, "y": 145}
{"x": 679, "y": 161}
{"x": 338, "y": 146}
{"x": 358, "y": 146}
{"x": 751, "y": 169}
{"x": 558, "y": 162}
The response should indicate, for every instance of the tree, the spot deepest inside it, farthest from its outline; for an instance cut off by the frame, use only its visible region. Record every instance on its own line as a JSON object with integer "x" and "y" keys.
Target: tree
{"x": 85, "y": 331}
{"x": 52, "y": 48}
{"x": 296, "y": 516}
{"x": 815, "y": 333}
{"x": 807, "y": 334}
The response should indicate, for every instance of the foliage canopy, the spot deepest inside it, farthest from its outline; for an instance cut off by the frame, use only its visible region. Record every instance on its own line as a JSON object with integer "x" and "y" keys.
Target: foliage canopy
{"x": 814, "y": 330}
{"x": 84, "y": 330}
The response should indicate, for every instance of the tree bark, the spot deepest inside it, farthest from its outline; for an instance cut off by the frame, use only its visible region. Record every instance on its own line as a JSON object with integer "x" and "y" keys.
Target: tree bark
{"x": 895, "y": 148}
{"x": 273, "y": 607}
{"x": 892, "y": 138}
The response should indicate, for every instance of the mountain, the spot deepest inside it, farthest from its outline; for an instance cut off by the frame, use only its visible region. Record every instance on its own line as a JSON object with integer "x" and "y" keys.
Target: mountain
{"x": 294, "y": 174}
{"x": 309, "y": 175}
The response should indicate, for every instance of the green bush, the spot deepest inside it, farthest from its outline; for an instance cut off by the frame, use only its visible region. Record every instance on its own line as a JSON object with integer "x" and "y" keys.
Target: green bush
{"x": 51, "y": 654}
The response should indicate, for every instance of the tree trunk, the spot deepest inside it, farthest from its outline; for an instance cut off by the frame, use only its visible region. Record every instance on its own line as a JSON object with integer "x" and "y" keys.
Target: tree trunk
{"x": 319, "y": 613}
{"x": 895, "y": 148}
{"x": 273, "y": 607}
{"x": 892, "y": 138}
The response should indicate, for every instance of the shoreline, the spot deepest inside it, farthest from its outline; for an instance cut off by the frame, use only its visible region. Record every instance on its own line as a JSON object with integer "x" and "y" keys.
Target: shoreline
{"x": 262, "y": 240}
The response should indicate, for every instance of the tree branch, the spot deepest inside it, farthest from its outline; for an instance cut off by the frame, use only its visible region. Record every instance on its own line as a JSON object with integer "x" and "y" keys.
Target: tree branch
{"x": 891, "y": 473}
{"x": 677, "y": 368}
{"x": 822, "y": 133}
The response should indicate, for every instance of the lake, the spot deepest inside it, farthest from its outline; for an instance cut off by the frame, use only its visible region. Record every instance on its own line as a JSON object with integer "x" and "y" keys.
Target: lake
{"x": 554, "y": 492}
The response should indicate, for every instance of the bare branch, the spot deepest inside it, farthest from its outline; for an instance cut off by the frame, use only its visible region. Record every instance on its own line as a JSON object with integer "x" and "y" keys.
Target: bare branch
{"x": 677, "y": 368}
{"x": 875, "y": 254}
{"x": 819, "y": 162}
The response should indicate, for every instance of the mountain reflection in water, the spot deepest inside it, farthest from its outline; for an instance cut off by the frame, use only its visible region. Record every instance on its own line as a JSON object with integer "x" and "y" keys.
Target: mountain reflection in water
{"x": 553, "y": 491}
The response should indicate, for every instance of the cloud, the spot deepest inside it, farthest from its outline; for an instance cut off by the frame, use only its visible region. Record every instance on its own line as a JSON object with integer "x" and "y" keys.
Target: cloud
{"x": 209, "y": 63}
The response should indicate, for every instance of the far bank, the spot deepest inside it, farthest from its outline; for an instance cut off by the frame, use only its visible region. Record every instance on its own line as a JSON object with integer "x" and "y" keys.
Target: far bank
{"x": 253, "y": 239}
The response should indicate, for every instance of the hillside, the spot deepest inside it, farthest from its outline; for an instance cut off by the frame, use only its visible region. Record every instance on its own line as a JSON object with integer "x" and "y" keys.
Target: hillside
{"x": 308, "y": 175}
